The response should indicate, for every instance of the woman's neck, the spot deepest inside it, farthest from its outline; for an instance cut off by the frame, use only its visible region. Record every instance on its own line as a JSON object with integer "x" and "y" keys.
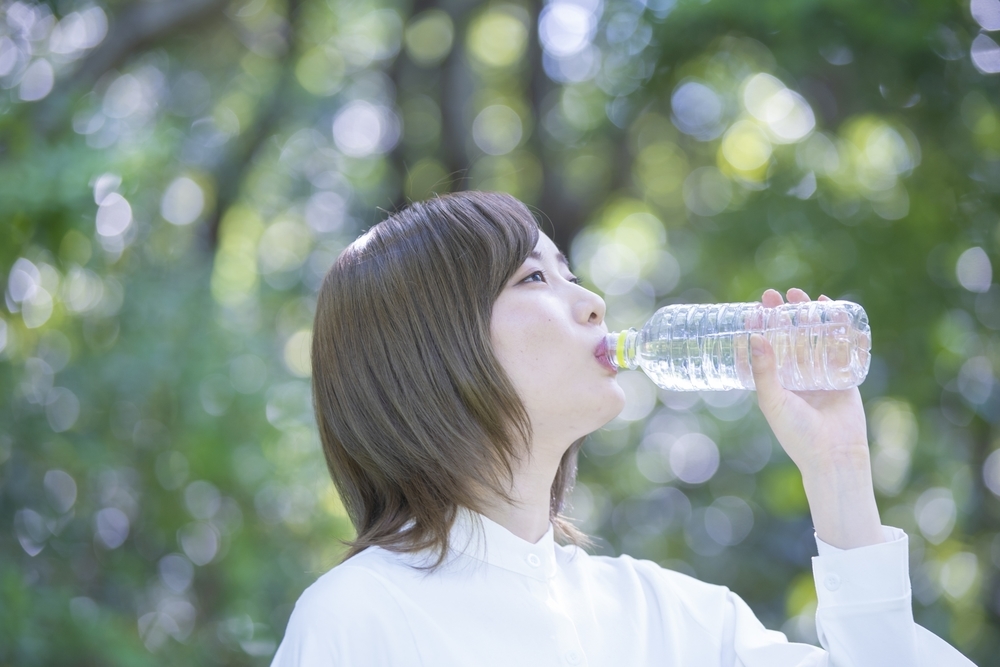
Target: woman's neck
{"x": 528, "y": 515}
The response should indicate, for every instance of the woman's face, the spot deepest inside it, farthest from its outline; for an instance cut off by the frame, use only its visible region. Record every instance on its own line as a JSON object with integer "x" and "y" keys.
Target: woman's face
{"x": 545, "y": 330}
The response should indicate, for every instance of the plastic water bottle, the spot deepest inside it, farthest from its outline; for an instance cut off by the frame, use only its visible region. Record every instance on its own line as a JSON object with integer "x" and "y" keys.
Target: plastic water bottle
{"x": 818, "y": 345}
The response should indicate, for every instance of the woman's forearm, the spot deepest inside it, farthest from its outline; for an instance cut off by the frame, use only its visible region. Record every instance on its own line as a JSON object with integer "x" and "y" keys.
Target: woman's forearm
{"x": 842, "y": 501}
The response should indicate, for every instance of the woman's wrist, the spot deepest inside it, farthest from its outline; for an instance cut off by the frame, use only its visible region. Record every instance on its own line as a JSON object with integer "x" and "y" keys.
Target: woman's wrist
{"x": 842, "y": 502}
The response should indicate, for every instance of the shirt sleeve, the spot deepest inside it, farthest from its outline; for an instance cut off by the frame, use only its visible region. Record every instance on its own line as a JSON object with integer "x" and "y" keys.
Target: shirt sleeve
{"x": 864, "y": 617}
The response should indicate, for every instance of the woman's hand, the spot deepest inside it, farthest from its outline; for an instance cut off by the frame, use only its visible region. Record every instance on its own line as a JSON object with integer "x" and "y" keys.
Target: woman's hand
{"x": 825, "y": 435}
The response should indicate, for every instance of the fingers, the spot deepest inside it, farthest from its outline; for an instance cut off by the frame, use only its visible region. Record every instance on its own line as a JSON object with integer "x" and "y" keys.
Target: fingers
{"x": 770, "y": 393}
{"x": 772, "y": 297}
{"x": 795, "y": 295}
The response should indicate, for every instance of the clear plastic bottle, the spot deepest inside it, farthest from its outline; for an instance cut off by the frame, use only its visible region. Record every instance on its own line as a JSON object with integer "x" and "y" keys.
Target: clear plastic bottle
{"x": 683, "y": 347}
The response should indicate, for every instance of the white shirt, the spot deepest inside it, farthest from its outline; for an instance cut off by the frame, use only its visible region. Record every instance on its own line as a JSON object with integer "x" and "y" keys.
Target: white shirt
{"x": 499, "y": 601}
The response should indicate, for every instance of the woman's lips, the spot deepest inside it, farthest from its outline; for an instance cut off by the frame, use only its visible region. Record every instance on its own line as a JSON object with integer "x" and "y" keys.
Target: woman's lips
{"x": 601, "y": 354}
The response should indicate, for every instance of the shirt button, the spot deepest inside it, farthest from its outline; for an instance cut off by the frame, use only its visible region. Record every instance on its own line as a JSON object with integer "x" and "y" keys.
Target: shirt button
{"x": 832, "y": 582}
{"x": 533, "y": 560}
{"x": 572, "y": 657}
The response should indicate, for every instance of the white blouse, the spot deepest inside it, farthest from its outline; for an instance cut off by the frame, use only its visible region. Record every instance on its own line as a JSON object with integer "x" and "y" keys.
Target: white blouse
{"x": 499, "y": 601}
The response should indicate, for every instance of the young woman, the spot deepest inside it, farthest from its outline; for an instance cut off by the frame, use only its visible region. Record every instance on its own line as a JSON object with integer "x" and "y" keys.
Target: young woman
{"x": 456, "y": 372}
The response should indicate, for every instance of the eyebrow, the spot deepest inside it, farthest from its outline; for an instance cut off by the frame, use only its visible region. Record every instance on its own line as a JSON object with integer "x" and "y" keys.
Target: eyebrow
{"x": 534, "y": 254}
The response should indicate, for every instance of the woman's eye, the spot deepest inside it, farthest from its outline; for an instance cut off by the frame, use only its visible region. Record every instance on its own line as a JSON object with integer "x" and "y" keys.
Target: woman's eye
{"x": 539, "y": 276}
{"x": 535, "y": 274}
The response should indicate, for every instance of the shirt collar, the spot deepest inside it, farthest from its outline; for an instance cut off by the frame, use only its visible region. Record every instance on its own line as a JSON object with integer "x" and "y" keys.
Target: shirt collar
{"x": 478, "y": 537}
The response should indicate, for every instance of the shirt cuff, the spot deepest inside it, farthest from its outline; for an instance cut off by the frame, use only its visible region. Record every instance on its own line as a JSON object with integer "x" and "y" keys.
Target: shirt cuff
{"x": 875, "y": 573}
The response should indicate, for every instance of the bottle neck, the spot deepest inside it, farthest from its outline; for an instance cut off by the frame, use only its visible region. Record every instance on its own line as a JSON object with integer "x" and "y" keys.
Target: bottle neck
{"x": 623, "y": 349}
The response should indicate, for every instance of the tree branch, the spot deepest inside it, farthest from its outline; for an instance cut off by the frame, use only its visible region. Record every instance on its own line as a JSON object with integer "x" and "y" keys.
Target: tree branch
{"x": 566, "y": 214}
{"x": 456, "y": 89}
{"x": 141, "y": 24}
{"x": 230, "y": 174}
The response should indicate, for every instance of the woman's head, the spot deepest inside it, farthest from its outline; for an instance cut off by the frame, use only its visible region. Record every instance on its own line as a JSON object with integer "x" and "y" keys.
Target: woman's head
{"x": 416, "y": 413}
{"x": 547, "y": 332}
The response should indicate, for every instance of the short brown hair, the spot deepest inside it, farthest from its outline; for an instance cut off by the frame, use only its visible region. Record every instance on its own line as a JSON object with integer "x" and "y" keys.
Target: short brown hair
{"x": 416, "y": 416}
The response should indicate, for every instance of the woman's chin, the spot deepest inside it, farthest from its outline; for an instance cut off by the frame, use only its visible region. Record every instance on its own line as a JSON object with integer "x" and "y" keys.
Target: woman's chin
{"x": 618, "y": 404}
{"x": 613, "y": 407}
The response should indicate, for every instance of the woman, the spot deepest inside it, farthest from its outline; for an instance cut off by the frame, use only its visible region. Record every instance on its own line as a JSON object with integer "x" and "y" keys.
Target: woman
{"x": 456, "y": 371}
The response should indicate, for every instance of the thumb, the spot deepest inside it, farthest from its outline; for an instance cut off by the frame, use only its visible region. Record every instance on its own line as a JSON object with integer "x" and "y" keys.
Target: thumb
{"x": 763, "y": 364}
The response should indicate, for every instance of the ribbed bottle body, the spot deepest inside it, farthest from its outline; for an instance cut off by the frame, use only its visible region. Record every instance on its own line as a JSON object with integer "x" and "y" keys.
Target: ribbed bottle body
{"x": 819, "y": 345}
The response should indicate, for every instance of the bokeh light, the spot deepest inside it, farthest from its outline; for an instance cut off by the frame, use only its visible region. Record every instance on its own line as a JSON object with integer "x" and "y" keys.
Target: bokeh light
{"x": 974, "y": 271}
{"x": 985, "y": 54}
{"x": 566, "y": 27}
{"x": 498, "y": 37}
{"x": 707, "y": 191}
{"x": 497, "y": 129}
{"x": 61, "y": 489}
{"x": 320, "y": 71}
{"x": 429, "y": 37}
{"x": 991, "y": 472}
{"x": 640, "y": 395}
{"x": 114, "y": 215}
{"x": 111, "y": 527}
{"x": 170, "y": 217}
{"x": 935, "y": 511}
{"x": 78, "y": 31}
{"x": 694, "y": 458}
{"x": 182, "y": 202}
{"x": 697, "y": 110}
{"x": 986, "y": 13}
{"x": 361, "y": 129}
{"x": 746, "y": 147}
{"x": 37, "y": 81}
{"x": 785, "y": 113}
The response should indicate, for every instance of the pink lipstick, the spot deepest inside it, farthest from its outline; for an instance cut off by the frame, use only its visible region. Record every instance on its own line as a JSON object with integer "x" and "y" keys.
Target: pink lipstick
{"x": 604, "y": 352}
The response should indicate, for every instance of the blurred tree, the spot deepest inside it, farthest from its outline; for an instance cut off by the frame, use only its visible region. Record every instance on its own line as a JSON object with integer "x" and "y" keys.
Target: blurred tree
{"x": 177, "y": 175}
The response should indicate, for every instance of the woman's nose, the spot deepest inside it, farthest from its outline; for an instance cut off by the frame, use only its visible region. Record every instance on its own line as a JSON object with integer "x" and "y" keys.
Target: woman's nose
{"x": 591, "y": 307}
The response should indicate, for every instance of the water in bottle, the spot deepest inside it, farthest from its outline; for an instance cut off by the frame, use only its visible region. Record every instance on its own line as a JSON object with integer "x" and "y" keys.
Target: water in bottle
{"x": 692, "y": 347}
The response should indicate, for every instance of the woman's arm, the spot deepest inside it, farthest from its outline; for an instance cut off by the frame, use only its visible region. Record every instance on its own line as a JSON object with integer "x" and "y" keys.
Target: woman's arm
{"x": 864, "y": 616}
{"x": 825, "y": 434}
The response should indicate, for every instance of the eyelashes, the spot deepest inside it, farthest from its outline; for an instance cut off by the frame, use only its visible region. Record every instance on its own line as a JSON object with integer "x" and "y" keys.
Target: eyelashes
{"x": 541, "y": 274}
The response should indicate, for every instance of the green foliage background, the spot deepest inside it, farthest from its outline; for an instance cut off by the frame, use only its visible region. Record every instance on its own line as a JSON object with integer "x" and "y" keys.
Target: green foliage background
{"x": 176, "y": 176}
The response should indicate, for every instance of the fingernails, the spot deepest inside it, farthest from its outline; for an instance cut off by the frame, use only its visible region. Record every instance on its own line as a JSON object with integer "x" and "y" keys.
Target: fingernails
{"x": 757, "y": 345}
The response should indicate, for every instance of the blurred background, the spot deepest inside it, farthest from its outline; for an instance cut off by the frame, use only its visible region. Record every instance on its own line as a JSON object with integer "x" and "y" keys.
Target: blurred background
{"x": 177, "y": 175}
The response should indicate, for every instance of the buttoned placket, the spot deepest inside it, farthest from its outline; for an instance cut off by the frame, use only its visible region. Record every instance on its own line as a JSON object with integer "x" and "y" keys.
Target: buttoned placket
{"x": 538, "y": 563}
{"x": 567, "y": 637}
